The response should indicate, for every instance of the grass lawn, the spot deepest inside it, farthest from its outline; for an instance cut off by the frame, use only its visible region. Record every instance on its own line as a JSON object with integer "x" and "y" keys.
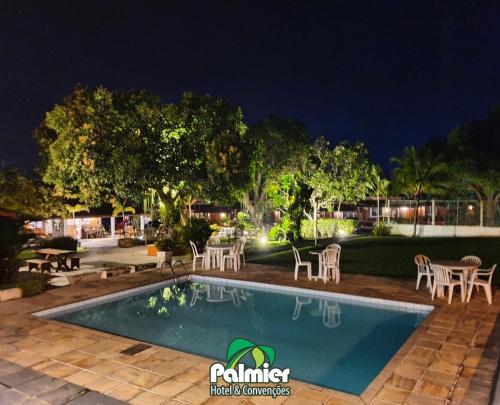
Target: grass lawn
{"x": 390, "y": 256}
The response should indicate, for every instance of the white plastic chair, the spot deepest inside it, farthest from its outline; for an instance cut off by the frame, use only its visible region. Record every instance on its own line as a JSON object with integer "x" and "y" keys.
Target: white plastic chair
{"x": 197, "y": 256}
{"x": 241, "y": 252}
{"x": 232, "y": 256}
{"x": 423, "y": 270}
{"x": 476, "y": 261}
{"x": 331, "y": 263}
{"x": 443, "y": 278}
{"x": 299, "y": 263}
{"x": 475, "y": 280}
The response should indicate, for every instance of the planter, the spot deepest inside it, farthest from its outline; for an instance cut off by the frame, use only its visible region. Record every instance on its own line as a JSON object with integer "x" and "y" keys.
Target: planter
{"x": 152, "y": 251}
{"x": 10, "y": 294}
{"x": 163, "y": 257}
{"x": 125, "y": 242}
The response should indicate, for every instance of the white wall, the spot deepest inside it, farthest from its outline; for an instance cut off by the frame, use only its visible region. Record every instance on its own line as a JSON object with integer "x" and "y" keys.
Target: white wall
{"x": 444, "y": 230}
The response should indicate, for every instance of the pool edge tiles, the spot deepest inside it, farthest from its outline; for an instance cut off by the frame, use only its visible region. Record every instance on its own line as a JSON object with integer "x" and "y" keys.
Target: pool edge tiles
{"x": 347, "y": 298}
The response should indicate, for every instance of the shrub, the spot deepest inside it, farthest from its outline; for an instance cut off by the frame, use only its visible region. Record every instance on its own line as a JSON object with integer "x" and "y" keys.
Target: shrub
{"x": 243, "y": 221}
{"x": 381, "y": 229}
{"x": 63, "y": 242}
{"x": 327, "y": 227}
{"x": 165, "y": 245}
{"x": 198, "y": 231}
{"x": 11, "y": 242}
{"x": 283, "y": 230}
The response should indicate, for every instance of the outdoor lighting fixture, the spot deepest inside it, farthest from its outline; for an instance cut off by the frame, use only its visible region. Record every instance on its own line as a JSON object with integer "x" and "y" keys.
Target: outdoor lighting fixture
{"x": 404, "y": 209}
{"x": 223, "y": 215}
{"x": 263, "y": 240}
{"x": 245, "y": 233}
{"x": 341, "y": 233}
{"x": 470, "y": 207}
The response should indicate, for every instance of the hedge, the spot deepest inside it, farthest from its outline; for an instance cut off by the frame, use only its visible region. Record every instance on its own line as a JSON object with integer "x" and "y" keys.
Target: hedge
{"x": 327, "y": 227}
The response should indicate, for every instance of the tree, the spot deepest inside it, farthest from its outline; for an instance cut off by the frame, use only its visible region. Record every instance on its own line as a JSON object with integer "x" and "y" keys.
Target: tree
{"x": 473, "y": 153}
{"x": 26, "y": 196}
{"x": 279, "y": 144}
{"x": 419, "y": 173}
{"x": 379, "y": 186}
{"x": 335, "y": 176}
{"x": 91, "y": 149}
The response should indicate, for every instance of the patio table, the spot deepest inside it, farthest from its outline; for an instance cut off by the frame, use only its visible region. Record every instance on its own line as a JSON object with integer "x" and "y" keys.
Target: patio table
{"x": 320, "y": 265}
{"x": 61, "y": 256}
{"x": 456, "y": 266}
{"x": 218, "y": 252}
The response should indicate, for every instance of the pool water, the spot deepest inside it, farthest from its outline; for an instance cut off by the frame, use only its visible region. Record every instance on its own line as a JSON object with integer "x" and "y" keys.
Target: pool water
{"x": 338, "y": 343}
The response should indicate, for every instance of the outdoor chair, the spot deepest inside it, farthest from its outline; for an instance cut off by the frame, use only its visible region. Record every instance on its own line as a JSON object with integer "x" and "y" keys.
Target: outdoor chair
{"x": 423, "y": 270}
{"x": 299, "y": 263}
{"x": 241, "y": 252}
{"x": 443, "y": 278}
{"x": 331, "y": 263}
{"x": 197, "y": 255}
{"x": 232, "y": 256}
{"x": 475, "y": 280}
{"x": 472, "y": 260}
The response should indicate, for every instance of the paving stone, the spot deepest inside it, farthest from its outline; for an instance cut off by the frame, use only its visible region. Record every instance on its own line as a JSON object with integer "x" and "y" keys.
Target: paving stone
{"x": 19, "y": 377}
{"x": 11, "y": 396}
{"x": 94, "y": 398}
{"x": 40, "y": 385}
{"x": 62, "y": 394}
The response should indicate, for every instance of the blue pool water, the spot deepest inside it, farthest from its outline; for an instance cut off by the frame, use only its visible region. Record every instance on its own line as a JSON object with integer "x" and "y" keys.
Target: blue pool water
{"x": 333, "y": 343}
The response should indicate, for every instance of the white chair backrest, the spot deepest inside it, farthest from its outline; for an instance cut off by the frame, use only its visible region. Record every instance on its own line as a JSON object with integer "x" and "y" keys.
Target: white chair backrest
{"x": 331, "y": 257}
{"x": 422, "y": 262}
{"x": 476, "y": 261}
{"x": 296, "y": 254}
{"x": 235, "y": 249}
{"x": 193, "y": 247}
{"x": 442, "y": 275}
{"x": 334, "y": 246}
{"x": 242, "y": 245}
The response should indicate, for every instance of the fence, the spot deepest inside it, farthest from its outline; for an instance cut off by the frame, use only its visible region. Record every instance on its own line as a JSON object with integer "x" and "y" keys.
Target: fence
{"x": 441, "y": 212}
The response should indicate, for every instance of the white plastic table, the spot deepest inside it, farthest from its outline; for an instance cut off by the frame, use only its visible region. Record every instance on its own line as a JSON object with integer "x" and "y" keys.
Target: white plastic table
{"x": 218, "y": 252}
{"x": 320, "y": 265}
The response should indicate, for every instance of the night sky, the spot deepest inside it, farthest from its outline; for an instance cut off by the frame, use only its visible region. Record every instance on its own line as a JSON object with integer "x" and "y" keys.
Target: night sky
{"x": 390, "y": 73}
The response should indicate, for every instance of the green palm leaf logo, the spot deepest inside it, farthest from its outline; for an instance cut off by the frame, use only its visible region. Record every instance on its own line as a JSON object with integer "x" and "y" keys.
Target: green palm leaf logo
{"x": 240, "y": 347}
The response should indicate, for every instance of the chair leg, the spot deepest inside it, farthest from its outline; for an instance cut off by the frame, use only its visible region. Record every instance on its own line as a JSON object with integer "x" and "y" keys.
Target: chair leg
{"x": 337, "y": 277}
{"x": 434, "y": 288}
{"x": 419, "y": 276}
{"x": 462, "y": 292}
{"x": 469, "y": 293}
{"x": 296, "y": 271}
{"x": 309, "y": 272}
{"x": 450, "y": 293}
{"x": 487, "y": 290}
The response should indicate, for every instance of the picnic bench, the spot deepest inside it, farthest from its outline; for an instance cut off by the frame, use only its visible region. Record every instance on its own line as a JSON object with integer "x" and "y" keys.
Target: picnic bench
{"x": 38, "y": 264}
{"x": 61, "y": 256}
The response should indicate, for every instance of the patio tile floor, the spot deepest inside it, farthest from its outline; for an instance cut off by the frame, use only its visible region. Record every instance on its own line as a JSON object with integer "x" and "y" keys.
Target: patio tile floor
{"x": 451, "y": 358}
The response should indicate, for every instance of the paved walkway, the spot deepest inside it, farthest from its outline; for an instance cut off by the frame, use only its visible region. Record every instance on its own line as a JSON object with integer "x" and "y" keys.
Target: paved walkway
{"x": 451, "y": 357}
{"x": 22, "y": 385}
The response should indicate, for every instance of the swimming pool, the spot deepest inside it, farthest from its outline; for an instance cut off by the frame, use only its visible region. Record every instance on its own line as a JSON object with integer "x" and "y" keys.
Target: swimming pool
{"x": 333, "y": 340}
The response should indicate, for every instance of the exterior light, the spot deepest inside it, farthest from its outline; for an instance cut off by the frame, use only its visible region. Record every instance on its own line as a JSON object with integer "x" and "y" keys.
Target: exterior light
{"x": 223, "y": 215}
{"x": 263, "y": 240}
{"x": 341, "y": 232}
{"x": 404, "y": 208}
{"x": 470, "y": 207}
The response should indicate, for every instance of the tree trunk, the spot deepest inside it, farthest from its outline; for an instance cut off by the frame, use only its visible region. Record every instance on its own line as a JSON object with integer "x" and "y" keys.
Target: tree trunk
{"x": 315, "y": 216}
{"x": 489, "y": 210}
{"x": 415, "y": 218}
{"x": 378, "y": 210}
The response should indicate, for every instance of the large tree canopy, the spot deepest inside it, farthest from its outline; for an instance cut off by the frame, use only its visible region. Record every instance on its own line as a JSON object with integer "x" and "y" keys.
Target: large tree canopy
{"x": 473, "y": 153}
{"x": 100, "y": 146}
{"x": 279, "y": 145}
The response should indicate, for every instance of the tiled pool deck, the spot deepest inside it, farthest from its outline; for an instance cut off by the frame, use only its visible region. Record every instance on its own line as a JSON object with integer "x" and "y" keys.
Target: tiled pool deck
{"x": 451, "y": 358}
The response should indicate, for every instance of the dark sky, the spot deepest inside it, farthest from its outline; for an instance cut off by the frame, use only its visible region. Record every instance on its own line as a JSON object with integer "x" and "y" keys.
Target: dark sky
{"x": 390, "y": 73}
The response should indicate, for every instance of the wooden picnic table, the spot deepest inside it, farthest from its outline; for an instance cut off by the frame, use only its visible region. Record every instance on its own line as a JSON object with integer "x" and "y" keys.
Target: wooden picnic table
{"x": 61, "y": 256}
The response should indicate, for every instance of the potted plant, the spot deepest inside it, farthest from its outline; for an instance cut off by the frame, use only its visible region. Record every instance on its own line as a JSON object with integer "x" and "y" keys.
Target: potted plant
{"x": 164, "y": 247}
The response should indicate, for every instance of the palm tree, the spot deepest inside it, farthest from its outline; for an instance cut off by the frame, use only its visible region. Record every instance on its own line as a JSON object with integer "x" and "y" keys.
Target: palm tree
{"x": 73, "y": 209}
{"x": 420, "y": 172}
{"x": 379, "y": 186}
{"x": 120, "y": 208}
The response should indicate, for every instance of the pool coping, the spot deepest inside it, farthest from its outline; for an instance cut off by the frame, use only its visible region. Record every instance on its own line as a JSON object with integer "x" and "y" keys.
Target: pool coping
{"x": 368, "y": 393}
